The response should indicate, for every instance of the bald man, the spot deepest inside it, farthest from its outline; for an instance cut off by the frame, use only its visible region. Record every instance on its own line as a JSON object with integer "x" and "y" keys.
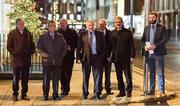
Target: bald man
{"x": 106, "y": 65}
{"x": 71, "y": 37}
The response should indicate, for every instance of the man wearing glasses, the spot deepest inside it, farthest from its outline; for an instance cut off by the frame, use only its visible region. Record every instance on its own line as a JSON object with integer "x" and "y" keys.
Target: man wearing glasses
{"x": 51, "y": 46}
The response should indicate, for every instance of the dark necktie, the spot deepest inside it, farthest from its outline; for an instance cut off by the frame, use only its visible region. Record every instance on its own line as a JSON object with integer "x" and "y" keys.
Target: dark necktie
{"x": 91, "y": 39}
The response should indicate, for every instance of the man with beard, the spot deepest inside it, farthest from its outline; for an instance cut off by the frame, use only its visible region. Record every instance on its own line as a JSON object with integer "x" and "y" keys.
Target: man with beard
{"x": 123, "y": 52}
{"x": 154, "y": 39}
{"x": 70, "y": 37}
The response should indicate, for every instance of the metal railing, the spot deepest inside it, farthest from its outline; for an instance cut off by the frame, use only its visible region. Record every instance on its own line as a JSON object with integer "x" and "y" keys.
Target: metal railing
{"x": 5, "y": 59}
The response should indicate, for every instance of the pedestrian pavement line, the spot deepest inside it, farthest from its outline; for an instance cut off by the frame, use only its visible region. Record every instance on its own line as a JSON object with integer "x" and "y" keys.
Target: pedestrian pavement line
{"x": 139, "y": 70}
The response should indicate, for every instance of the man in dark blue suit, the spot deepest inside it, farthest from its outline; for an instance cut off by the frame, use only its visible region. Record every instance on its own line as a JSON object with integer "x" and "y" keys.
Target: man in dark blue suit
{"x": 154, "y": 39}
{"x": 51, "y": 46}
{"x": 90, "y": 52}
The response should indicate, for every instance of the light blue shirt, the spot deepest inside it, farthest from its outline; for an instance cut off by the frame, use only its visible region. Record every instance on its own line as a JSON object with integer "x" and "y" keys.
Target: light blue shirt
{"x": 93, "y": 42}
{"x": 52, "y": 35}
{"x": 153, "y": 28}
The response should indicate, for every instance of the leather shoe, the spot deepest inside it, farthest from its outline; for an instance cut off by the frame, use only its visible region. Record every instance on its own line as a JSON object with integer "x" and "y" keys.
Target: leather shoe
{"x": 46, "y": 98}
{"x": 129, "y": 95}
{"x": 121, "y": 94}
{"x": 97, "y": 97}
{"x": 84, "y": 97}
{"x": 25, "y": 98}
{"x": 64, "y": 93}
{"x": 15, "y": 98}
{"x": 162, "y": 94}
{"x": 151, "y": 93}
{"x": 56, "y": 98}
{"x": 109, "y": 93}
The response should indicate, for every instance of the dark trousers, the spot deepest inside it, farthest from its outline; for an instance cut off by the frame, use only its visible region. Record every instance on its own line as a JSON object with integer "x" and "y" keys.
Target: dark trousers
{"x": 120, "y": 68}
{"x": 106, "y": 68}
{"x": 86, "y": 68}
{"x": 48, "y": 72}
{"x": 66, "y": 74}
{"x": 23, "y": 73}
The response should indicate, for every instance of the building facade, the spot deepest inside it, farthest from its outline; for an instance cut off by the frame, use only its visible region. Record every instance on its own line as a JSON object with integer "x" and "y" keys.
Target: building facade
{"x": 168, "y": 14}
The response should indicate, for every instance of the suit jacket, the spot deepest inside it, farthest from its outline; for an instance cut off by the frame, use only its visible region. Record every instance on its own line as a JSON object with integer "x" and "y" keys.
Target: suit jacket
{"x": 83, "y": 48}
{"x": 161, "y": 38}
{"x": 21, "y": 47}
{"x": 107, "y": 39}
{"x": 122, "y": 46}
{"x": 53, "y": 48}
{"x": 71, "y": 38}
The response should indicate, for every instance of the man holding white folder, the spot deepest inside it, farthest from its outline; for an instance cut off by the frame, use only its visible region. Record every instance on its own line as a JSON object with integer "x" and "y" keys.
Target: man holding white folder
{"x": 154, "y": 39}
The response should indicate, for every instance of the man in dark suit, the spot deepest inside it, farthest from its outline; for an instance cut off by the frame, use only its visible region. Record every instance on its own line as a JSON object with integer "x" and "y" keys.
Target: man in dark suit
{"x": 123, "y": 52}
{"x": 106, "y": 65}
{"x": 71, "y": 37}
{"x": 21, "y": 47}
{"x": 51, "y": 46}
{"x": 90, "y": 52}
{"x": 154, "y": 39}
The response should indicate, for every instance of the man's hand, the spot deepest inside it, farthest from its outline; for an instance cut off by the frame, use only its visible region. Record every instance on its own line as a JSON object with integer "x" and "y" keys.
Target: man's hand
{"x": 147, "y": 48}
{"x": 78, "y": 62}
{"x": 153, "y": 46}
{"x": 44, "y": 55}
{"x": 132, "y": 59}
{"x": 108, "y": 59}
{"x": 41, "y": 53}
{"x": 68, "y": 48}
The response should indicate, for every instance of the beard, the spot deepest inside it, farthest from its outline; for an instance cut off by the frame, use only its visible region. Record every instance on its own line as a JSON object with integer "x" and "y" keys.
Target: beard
{"x": 152, "y": 21}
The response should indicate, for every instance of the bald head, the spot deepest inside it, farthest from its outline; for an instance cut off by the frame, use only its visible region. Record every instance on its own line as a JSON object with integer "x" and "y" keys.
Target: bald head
{"x": 102, "y": 24}
{"x": 63, "y": 23}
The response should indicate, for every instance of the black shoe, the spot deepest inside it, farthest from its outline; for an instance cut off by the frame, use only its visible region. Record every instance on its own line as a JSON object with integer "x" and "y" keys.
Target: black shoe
{"x": 84, "y": 97}
{"x": 15, "y": 98}
{"x": 129, "y": 95}
{"x": 46, "y": 98}
{"x": 109, "y": 93}
{"x": 25, "y": 98}
{"x": 97, "y": 97}
{"x": 121, "y": 94}
{"x": 56, "y": 98}
{"x": 64, "y": 93}
{"x": 151, "y": 93}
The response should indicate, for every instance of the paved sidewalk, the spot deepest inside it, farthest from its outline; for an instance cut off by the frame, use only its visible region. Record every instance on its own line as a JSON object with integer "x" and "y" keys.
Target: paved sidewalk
{"x": 35, "y": 93}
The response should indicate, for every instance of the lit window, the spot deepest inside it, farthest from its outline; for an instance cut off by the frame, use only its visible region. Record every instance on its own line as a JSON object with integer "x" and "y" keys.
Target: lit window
{"x": 71, "y": 16}
{"x": 79, "y": 8}
{"x": 64, "y": 16}
{"x": 78, "y": 17}
{"x": 49, "y": 16}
